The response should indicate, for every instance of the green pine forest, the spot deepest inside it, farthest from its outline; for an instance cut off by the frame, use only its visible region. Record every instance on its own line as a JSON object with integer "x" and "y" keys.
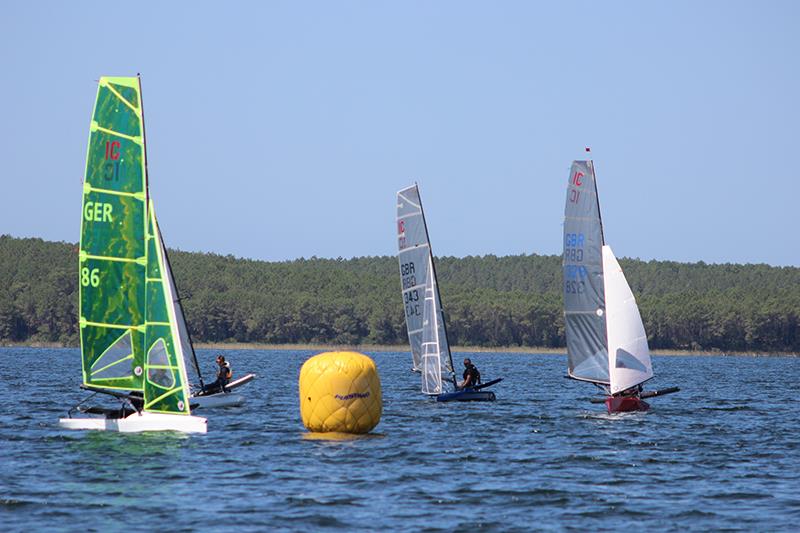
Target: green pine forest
{"x": 489, "y": 301}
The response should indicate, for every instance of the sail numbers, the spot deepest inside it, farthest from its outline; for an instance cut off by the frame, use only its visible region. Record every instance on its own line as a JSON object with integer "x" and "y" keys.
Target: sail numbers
{"x": 90, "y": 277}
{"x": 97, "y": 212}
{"x": 111, "y": 166}
{"x": 577, "y": 181}
{"x": 573, "y": 247}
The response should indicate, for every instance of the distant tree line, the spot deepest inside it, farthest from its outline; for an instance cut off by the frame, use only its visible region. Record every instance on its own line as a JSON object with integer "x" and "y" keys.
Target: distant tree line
{"x": 489, "y": 301}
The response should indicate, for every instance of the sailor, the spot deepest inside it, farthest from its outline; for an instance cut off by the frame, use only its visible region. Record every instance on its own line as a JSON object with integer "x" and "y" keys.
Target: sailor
{"x": 472, "y": 376}
{"x": 633, "y": 392}
{"x": 224, "y": 375}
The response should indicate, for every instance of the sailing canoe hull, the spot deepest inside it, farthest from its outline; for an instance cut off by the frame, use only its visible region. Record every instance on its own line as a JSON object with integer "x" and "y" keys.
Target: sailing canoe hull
{"x": 467, "y": 396}
{"x": 137, "y": 422}
{"x": 625, "y": 404}
{"x": 221, "y": 399}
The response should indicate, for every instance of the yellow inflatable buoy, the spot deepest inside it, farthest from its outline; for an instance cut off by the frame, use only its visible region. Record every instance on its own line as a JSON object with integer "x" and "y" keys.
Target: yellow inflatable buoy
{"x": 340, "y": 391}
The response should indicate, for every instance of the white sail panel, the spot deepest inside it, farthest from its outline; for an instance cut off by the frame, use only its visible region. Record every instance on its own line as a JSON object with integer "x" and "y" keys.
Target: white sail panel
{"x": 413, "y": 255}
{"x": 431, "y": 347}
{"x": 175, "y": 311}
{"x": 629, "y": 355}
{"x": 183, "y": 332}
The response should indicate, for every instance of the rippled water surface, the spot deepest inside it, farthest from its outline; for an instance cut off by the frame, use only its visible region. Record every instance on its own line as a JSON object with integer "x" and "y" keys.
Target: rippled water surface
{"x": 722, "y": 453}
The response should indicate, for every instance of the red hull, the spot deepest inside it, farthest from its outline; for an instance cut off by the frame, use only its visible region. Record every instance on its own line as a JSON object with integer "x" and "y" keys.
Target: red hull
{"x": 625, "y": 404}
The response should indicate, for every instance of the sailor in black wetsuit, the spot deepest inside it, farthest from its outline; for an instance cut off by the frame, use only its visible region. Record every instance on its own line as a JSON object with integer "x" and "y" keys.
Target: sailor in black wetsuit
{"x": 471, "y": 375}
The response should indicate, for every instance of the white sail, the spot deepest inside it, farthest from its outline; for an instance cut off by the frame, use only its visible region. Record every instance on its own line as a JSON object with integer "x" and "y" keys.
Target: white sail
{"x": 176, "y": 315}
{"x": 183, "y": 332}
{"x": 628, "y": 352}
{"x": 431, "y": 346}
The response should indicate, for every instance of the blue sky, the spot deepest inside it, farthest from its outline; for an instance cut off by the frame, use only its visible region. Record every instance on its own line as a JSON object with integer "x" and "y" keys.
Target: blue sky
{"x": 283, "y": 129}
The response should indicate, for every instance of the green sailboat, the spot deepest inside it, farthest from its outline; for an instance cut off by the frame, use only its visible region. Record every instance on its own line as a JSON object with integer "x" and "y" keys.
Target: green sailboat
{"x": 128, "y": 314}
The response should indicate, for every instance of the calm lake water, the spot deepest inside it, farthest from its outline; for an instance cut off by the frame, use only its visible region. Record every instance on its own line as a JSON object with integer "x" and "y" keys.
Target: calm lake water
{"x": 724, "y": 453}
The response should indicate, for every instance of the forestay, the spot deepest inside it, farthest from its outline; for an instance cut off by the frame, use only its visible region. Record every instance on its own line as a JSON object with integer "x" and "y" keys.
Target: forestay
{"x": 584, "y": 292}
{"x": 629, "y": 354}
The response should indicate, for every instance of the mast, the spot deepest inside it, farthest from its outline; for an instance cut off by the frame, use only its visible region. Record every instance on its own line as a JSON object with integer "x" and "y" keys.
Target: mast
{"x": 178, "y": 298}
{"x": 597, "y": 198}
{"x": 144, "y": 145}
{"x": 438, "y": 294}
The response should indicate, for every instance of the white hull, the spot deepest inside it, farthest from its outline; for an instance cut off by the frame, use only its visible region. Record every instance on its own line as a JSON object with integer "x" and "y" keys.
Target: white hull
{"x": 136, "y": 422}
{"x": 221, "y": 399}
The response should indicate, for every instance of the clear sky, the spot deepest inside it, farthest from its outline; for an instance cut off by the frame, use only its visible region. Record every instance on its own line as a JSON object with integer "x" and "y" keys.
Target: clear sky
{"x": 279, "y": 130}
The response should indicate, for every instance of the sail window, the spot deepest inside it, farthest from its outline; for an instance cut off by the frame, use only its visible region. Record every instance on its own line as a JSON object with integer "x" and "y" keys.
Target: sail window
{"x": 116, "y": 361}
{"x": 159, "y": 371}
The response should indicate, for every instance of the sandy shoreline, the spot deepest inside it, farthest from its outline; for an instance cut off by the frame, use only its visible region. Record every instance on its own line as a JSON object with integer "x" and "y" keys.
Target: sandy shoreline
{"x": 404, "y": 348}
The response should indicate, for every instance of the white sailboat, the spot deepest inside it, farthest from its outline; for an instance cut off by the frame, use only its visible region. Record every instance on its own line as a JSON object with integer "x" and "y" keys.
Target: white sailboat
{"x": 427, "y": 331}
{"x": 606, "y": 341}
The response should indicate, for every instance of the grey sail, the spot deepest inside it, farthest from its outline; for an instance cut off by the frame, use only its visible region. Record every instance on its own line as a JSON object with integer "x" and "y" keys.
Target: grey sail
{"x": 418, "y": 280}
{"x": 584, "y": 297}
{"x": 413, "y": 252}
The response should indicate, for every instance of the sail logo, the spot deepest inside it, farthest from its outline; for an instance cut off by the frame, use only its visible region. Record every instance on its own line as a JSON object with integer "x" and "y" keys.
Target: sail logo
{"x": 577, "y": 181}
{"x": 111, "y": 166}
{"x": 401, "y": 234}
{"x": 352, "y": 396}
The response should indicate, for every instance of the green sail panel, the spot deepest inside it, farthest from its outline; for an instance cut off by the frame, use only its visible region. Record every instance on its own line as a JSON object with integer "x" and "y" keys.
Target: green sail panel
{"x": 112, "y": 258}
{"x": 166, "y": 387}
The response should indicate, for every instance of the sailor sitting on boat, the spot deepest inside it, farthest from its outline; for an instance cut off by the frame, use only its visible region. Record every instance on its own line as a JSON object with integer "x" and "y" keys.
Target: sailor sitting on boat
{"x": 224, "y": 375}
{"x": 472, "y": 376}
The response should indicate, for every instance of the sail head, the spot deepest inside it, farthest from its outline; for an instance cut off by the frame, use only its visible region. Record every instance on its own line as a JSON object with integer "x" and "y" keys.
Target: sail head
{"x": 584, "y": 292}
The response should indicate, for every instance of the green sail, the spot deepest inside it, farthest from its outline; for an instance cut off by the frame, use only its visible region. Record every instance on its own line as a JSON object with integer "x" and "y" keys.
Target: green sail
{"x": 112, "y": 257}
{"x": 166, "y": 387}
